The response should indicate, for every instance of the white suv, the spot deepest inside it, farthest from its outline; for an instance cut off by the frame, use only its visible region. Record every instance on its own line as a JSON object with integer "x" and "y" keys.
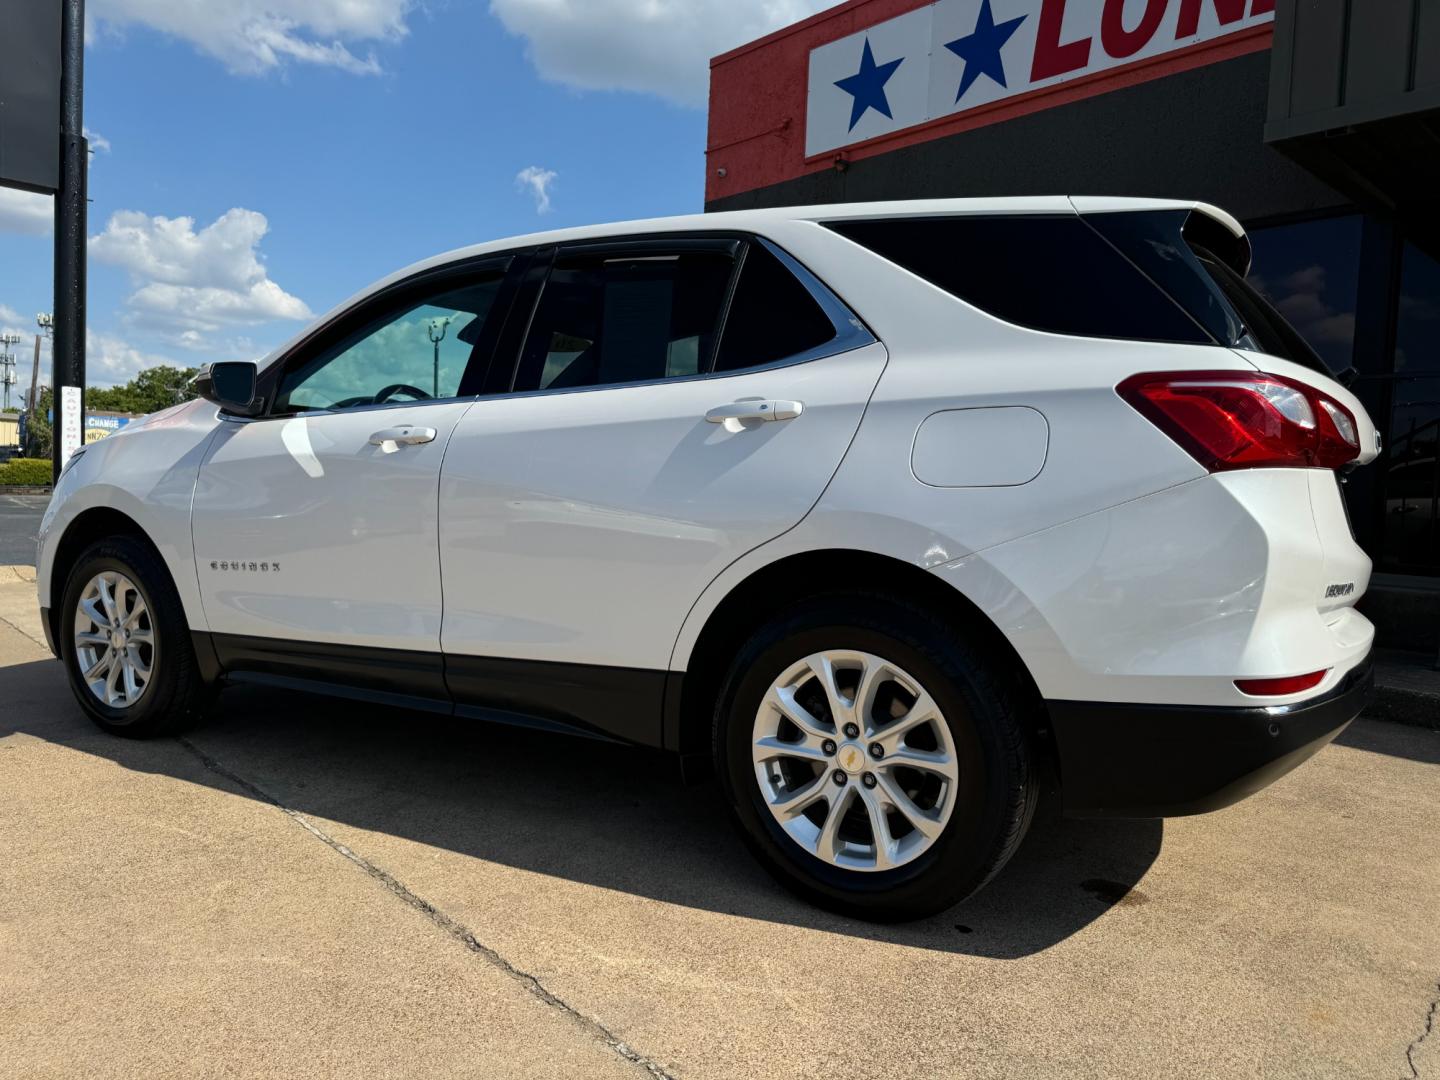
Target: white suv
{"x": 888, "y": 512}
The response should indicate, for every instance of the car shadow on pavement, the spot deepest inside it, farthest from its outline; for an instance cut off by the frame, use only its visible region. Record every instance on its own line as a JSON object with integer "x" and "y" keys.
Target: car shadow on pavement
{"x": 600, "y": 813}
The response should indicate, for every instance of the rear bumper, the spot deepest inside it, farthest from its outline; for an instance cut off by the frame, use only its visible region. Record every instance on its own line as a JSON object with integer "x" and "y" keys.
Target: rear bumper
{"x": 1121, "y": 760}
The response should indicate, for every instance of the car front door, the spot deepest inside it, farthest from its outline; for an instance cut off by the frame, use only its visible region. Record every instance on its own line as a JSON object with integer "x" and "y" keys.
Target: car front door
{"x": 676, "y": 404}
{"x": 315, "y": 525}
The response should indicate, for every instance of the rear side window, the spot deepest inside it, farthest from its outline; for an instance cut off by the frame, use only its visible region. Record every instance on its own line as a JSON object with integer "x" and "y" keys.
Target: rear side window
{"x": 607, "y": 319}
{"x": 772, "y": 316}
{"x": 1047, "y": 273}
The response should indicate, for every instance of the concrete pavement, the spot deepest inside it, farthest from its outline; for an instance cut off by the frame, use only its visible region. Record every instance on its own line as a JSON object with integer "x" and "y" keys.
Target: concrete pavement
{"x": 309, "y": 888}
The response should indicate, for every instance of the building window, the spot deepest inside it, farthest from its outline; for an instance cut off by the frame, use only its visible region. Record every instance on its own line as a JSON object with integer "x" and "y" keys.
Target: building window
{"x": 1412, "y": 481}
{"x": 1310, "y": 272}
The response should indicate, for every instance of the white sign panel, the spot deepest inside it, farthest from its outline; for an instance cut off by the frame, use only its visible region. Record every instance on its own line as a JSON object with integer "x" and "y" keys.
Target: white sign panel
{"x": 970, "y": 53}
{"x": 72, "y": 423}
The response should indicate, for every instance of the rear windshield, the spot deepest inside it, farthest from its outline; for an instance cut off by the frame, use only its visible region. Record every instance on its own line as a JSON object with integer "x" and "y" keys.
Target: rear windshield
{"x": 1133, "y": 275}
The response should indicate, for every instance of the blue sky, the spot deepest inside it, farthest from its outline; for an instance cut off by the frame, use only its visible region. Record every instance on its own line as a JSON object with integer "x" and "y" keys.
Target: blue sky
{"x": 257, "y": 161}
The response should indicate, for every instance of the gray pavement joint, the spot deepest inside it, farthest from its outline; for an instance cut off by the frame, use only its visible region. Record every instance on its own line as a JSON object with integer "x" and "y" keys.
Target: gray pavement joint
{"x": 21, "y": 631}
{"x": 1414, "y": 1047}
{"x": 450, "y": 926}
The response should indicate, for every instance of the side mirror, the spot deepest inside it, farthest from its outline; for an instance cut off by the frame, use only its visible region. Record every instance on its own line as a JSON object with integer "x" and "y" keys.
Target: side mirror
{"x": 231, "y": 385}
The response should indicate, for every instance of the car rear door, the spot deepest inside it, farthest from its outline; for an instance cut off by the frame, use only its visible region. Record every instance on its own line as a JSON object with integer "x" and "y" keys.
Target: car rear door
{"x": 677, "y": 403}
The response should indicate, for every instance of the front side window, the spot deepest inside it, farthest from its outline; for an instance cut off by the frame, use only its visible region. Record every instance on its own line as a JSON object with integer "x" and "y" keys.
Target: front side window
{"x": 605, "y": 319}
{"x": 419, "y": 350}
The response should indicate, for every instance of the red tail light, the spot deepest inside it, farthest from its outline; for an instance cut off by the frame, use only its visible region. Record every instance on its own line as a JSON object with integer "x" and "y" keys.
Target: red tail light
{"x": 1245, "y": 420}
{"x": 1291, "y": 684}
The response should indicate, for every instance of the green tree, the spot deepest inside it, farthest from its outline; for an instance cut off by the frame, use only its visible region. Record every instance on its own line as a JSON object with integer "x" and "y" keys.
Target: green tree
{"x": 37, "y": 428}
{"x": 150, "y": 391}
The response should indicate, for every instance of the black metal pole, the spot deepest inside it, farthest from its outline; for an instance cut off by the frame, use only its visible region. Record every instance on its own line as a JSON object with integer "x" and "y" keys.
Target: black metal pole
{"x": 70, "y": 229}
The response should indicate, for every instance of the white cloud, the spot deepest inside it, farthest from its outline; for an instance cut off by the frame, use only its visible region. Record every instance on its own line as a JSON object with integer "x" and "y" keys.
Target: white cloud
{"x": 654, "y": 46}
{"x": 255, "y": 36}
{"x": 537, "y": 182}
{"x": 25, "y": 212}
{"x": 188, "y": 283}
{"x": 110, "y": 360}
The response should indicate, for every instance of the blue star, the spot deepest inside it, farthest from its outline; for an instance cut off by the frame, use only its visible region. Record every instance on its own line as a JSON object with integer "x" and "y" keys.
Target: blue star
{"x": 981, "y": 50}
{"x": 867, "y": 86}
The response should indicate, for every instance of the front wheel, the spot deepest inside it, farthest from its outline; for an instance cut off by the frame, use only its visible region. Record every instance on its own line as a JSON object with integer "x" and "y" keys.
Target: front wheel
{"x": 126, "y": 644}
{"x": 875, "y": 756}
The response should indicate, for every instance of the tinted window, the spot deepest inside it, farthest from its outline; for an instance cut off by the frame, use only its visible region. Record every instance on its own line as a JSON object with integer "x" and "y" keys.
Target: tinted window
{"x": 1048, "y": 273}
{"x": 772, "y": 316}
{"x": 1155, "y": 242}
{"x": 416, "y": 353}
{"x": 606, "y": 319}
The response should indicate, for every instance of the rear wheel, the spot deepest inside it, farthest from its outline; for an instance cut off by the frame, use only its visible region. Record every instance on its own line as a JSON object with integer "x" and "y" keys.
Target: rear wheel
{"x": 874, "y": 756}
{"x": 126, "y": 644}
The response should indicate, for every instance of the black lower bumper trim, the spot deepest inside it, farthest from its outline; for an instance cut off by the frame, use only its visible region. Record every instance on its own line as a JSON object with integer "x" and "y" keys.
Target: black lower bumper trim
{"x": 49, "y": 628}
{"x": 1145, "y": 761}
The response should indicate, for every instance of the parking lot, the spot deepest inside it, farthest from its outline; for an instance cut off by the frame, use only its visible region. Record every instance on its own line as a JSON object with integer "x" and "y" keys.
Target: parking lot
{"x": 308, "y": 888}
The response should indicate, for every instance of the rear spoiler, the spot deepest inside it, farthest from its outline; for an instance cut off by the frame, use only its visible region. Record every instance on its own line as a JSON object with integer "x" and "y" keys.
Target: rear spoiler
{"x": 1221, "y": 235}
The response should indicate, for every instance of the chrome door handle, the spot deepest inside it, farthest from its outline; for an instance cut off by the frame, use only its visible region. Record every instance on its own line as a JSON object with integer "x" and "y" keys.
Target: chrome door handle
{"x": 391, "y": 439}
{"x": 755, "y": 409}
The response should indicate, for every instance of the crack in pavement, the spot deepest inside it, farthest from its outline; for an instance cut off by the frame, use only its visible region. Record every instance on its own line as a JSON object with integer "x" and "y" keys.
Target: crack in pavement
{"x": 455, "y": 929}
{"x": 1411, "y": 1050}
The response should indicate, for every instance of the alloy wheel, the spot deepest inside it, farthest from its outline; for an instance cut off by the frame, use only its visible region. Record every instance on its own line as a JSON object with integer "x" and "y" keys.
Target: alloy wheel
{"x": 114, "y": 640}
{"x": 855, "y": 760}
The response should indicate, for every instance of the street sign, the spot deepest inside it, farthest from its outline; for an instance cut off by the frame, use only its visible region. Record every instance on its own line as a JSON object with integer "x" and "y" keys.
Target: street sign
{"x": 30, "y": 94}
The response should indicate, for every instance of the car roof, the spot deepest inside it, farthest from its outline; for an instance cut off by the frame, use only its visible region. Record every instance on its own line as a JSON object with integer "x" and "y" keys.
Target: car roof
{"x": 745, "y": 220}
{"x": 758, "y": 219}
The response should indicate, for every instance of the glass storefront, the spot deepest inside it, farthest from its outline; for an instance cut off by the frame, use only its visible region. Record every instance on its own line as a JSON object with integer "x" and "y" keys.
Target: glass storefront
{"x": 1369, "y": 304}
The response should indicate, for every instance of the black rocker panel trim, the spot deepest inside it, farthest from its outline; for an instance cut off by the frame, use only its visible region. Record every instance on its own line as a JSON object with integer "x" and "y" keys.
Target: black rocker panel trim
{"x": 588, "y": 699}
{"x": 621, "y": 703}
{"x": 1141, "y": 761}
{"x": 389, "y": 671}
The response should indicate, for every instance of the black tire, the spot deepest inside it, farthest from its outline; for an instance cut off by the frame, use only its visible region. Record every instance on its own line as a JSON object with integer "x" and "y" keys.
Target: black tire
{"x": 176, "y": 696}
{"x": 984, "y": 704}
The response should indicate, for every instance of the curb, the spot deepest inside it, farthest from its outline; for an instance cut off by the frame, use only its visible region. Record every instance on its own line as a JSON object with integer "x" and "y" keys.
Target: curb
{"x": 1401, "y": 705}
{"x": 24, "y": 489}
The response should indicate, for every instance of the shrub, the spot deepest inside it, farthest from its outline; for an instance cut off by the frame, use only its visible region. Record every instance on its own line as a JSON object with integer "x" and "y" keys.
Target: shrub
{"x": 30, "y": 472}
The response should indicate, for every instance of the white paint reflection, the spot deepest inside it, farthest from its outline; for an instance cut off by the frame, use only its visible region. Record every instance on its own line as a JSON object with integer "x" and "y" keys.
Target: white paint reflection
{"x": 295, "y": 434}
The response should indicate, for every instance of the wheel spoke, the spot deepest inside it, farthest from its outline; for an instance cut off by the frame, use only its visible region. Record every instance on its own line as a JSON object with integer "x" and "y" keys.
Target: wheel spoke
{"x": 801, "y": 799}
{"x": 112, "y": 680}
{"x": 922, "y": 712}
{"x": 783, "y": 698}
{"x": 92, "y": 637}
{"x": 825, "y": 844}
{"x": 98, "y": 667}
{"x": 925, "y": 823}
{"x": 136, "y": 662}
{"x": 879, "y": 829}
{"x": 770, "y": 748}
{"x": 874, "y": 675}
{"x": 107, "y": 600}
{"x": 923, "y": 760}
{"x": 142, "y": 637}
{"x": 91, "y": 610}
{"x": 824, "y": 669}
{"x": 132, "y": 688}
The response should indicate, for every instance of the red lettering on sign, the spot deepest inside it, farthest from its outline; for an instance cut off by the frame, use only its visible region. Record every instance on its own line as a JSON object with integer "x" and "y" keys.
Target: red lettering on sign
{"x": 1120, "y": 42}
{"x": 1051, "y": 57}
{"x": 1227, "y": 11}
{"x": 1262, "y": 7}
